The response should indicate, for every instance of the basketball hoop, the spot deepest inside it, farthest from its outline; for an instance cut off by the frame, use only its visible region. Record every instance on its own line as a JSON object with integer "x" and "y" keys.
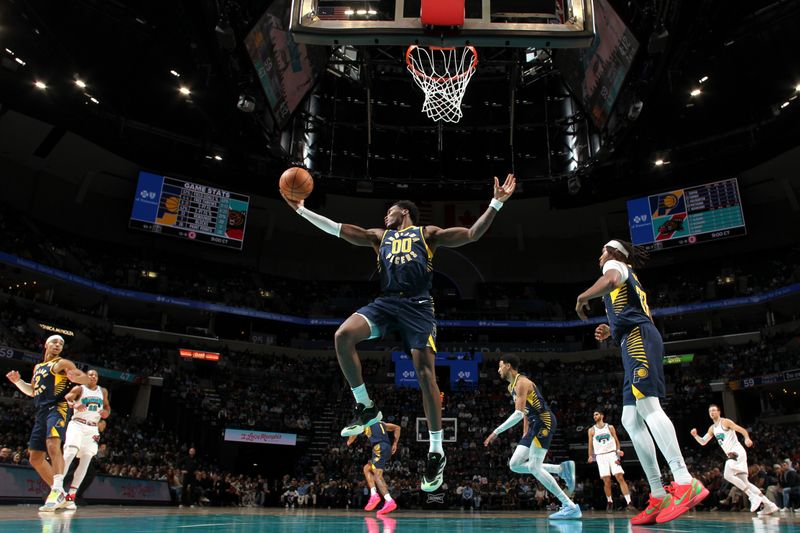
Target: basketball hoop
{"x": 443, "y": 74}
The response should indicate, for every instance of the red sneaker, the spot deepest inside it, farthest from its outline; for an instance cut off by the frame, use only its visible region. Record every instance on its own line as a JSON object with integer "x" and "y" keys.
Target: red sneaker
{"x": 373, "y": 502}
{"x": 683, "y": 498}
{"x": 648, "y": 516}
{"x": 387, "y": 508}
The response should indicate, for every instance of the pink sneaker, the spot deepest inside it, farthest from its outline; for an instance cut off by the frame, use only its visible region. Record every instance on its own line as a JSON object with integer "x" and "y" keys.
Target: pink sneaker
{"x": 387, "y": 508}
{"x": 373, "y": 502}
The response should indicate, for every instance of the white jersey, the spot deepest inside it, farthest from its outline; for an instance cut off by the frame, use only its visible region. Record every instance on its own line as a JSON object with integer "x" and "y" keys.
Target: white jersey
{"x": 727, "y": 439}
{"x": 93, "y": 400}
{"x": 603, "y": 442}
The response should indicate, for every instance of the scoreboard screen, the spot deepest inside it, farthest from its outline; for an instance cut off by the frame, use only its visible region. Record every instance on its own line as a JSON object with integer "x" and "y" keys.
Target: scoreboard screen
{"x": 189, "y": 210}
{"x": 687, "y": 216}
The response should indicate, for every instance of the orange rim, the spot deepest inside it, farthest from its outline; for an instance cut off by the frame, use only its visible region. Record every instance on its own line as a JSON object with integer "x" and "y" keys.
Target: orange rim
{"x": 440, "y": 79}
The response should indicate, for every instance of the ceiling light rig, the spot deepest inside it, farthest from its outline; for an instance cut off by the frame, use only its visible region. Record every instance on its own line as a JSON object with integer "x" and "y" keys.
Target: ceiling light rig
{"x": 80, "y": 83}
{"x": 175, "y": 73}
{"x": 696, "y": 92}
{"x": 40, "y": 85}
{"x": 185, "y": 91}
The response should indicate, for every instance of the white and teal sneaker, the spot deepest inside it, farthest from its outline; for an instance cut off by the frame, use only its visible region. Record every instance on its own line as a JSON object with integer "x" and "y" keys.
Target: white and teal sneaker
{"x": 55, "y": 500}
{"x": 567, "y": 512}
{"x": 568, "y": 475}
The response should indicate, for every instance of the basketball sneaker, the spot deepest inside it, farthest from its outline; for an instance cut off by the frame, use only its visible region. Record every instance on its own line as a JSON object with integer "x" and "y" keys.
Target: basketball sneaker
{"x": 373, "y": 502}
{"x": 568, "y": 475}
{"x": 434, "y": 472}
{"x": 363, "y": 417}
{"x": 768, "y": 509}
{"x": 70, "y": 506}
{"x": 388, "y": 507}
{"x": 683, "y": 498}
{"x": 55, "y": 500}
{"x": 567, "y": 512}
{"x": 650, "y": 513}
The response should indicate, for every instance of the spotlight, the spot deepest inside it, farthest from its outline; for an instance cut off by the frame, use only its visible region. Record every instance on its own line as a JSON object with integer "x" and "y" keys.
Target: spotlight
{"x": 40, "y": 85}
{"x": 218, "y": 157}
{"x": 94, "y": 100}
{"x": 246, "y": 104}
{"x": 785, "y": 104}
{"x": 703, "y": 79}
{"x": 175, "y": 73}
{"x": 184, "y": 91}
{"x": 659, "y": 162}
{"x": 797, "y": 88}
{"x": 349, "y": 12}
{"x": 696, "y": 92}
{"x": 361, "y": 12}
{"x": 20, "y": 61}
{"x": 80, "y": 83}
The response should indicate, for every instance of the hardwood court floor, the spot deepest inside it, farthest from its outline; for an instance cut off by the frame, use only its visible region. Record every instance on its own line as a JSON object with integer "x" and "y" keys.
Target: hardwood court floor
{"x": 110, "y": 519}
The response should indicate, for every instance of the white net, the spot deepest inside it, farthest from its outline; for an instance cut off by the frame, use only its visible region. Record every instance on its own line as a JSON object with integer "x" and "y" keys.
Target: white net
{"x": 443, "y": 75}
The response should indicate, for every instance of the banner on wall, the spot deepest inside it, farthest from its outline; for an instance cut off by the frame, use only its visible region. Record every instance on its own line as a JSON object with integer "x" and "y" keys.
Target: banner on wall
{"x": 260, "y": 437}
{"x": 23, "y": 483}
{"x": 463, "y": 369}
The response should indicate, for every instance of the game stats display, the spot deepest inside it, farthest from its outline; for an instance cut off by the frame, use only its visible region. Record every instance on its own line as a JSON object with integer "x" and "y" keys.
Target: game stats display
{"x": 687, "y": 216}
{"x": 189, "y": 210}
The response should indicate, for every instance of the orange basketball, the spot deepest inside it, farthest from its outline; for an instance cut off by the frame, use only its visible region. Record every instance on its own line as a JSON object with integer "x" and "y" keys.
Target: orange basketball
{"x": 296, "y": 183}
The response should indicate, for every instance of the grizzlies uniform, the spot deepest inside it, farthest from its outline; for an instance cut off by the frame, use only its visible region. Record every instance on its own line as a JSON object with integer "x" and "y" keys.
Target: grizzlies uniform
{"x": 49, "y": 390}
{"x": 640, "y": 341}
{"x": 605, "y": 452}
{"x": 381, "y": 446}
{"x": 541, "y": 420}
{"x": 406, "y": 269}
{"x": 82, "y": 432}
{"x": 730, "y": 445}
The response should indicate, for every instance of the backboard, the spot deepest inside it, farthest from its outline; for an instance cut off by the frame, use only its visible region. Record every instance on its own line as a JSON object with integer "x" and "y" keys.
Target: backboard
{"x": 492, "y": 23}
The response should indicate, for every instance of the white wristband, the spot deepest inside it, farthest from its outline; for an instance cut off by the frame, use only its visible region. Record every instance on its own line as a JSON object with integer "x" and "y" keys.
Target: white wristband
{"x": 496, "y": 204}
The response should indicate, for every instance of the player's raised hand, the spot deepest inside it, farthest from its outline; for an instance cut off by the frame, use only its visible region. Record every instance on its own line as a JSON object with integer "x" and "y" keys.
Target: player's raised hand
{"x": 602, "y": 332}
{"x": 748, "y": 443}
{"x": 394, "y": 448}
{"x": 490, "y": 438}
{"x": 294, "y": 204}
{"x": 591, "y": 459}
{"x": 504, "y": 192}
{"x": 693, "y": 432}
{"x": 13, "y": 376}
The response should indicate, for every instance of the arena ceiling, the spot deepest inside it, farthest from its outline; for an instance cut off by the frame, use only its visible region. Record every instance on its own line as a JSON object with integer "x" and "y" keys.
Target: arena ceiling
{"x": 132, "y": 58}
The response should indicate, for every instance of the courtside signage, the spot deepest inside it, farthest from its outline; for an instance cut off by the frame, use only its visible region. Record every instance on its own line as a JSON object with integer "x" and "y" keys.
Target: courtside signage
{"x": 260, "y": 437}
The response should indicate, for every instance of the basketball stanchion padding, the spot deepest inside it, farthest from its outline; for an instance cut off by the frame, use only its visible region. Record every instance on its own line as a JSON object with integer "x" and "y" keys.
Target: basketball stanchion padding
{"x": 442, "y": 12}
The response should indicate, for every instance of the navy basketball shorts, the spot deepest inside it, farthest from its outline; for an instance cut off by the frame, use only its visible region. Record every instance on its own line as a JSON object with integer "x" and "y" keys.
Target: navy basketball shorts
{"x": 540, "y": 431}
{"x": 381, "y": 453}
{"x": 413, "y": 318}
{"x": 50, "y": 421}
{"x": 643, "y": 364}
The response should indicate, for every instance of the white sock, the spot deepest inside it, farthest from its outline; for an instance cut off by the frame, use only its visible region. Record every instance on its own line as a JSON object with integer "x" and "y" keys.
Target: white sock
{"x": 387, "y": 497}
{"x": 436, "y": 442}
{"x": 627, "y": 498}
{"x": 361, "y": 395}
{"x": 664, "y": 434}
{"x": 58, "y": 482}
{"x": 373, "y": 491}
{"x": 609, "y": 499}
{"x": 645, "y": 449}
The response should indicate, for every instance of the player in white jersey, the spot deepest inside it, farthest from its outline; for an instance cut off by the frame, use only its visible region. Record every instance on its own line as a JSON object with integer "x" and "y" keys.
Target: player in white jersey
{"x": 724, "y": 431}
{"x": 604, "y": 449}
{"x": 89, "y": 404}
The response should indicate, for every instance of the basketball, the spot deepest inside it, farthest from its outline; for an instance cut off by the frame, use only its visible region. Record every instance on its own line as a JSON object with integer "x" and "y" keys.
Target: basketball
{"x": 296, "y": 184}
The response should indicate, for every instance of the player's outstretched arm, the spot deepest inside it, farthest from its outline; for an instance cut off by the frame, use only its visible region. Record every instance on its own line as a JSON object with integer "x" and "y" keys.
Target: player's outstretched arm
{"x": 454, "y": 237}
{"x": 521, "y": 389}
{"x": 352, "y": 234}
{"x": 395, "y": 429}
{"x": 705, "y": 438}
{"x": 730, "y": 424}
{"x": 73, "y": 396}
{"x": 607, "y": 283}
{"x": 65, "y": 366}
{"x": 21, "y": 384}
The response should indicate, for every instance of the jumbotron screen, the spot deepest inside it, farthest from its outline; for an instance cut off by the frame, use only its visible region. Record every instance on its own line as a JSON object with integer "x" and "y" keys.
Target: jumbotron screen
{"x": 687, "y": 216}
{"x": 189, "y": 210}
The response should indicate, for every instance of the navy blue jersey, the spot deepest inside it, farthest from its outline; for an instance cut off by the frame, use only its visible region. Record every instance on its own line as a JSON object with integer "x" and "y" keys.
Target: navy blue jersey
{"x": 626, "y": 306}
{"x": 405, "y": 263}
{"x": 48, "y": 388}
{"x": 377, "y": 433}
{"x": 535, "y": 404}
